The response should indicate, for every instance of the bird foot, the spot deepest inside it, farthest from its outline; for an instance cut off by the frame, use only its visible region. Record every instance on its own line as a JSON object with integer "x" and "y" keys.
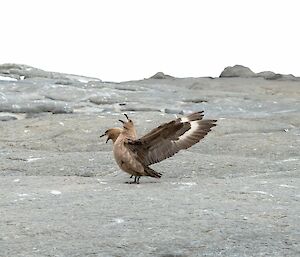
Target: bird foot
{"x": 136, "y": 180}
{"x": 132, "y": 182}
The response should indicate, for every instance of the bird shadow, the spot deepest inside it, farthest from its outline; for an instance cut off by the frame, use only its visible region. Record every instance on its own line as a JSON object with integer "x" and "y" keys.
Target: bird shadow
{"x": 141, "y": 183}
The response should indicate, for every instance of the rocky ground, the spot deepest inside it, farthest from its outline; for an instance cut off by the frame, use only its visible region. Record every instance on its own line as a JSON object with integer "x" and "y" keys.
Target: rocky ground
{"x": 234, "y": 194}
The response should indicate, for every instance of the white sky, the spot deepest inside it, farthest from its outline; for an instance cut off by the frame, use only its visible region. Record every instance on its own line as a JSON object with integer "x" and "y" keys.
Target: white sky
{"x": 117, "y": 40}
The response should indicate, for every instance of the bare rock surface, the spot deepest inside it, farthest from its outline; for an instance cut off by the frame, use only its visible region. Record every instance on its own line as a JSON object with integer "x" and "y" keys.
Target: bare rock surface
{"x": 161, "y": 75}
{"x": 236, "y": 193}
{"x": 245, "y": 72}
{"x": 237, "y": 71}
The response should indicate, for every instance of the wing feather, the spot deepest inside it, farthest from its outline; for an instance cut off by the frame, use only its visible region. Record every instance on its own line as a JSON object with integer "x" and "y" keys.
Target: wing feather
{"x": 169, "y": 138}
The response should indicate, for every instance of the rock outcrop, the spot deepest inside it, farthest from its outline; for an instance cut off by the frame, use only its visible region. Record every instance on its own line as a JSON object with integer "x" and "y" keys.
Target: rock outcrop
{"x": 161, "y": 75}
{"x": 236, "y": 193}
{"x": 245, "y": 72}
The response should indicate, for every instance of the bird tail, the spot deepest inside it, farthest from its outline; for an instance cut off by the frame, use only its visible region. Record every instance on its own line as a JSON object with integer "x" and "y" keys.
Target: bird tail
{"x": 152, "y": 173}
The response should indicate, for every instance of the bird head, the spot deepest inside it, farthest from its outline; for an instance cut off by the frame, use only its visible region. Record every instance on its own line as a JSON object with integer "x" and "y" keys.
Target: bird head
{"x": 112, "y": 134}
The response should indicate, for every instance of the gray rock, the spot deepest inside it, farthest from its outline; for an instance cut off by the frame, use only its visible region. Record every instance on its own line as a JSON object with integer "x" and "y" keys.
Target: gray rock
{"x": 236, "y": 193}
{"x": 21, "y": 71}
{"x": 139, "y": 109}
{"x": 100, "y": 100}
{"x": 161, "y": 75}
{"x": 237, "y": 71}
{"x": 269, "y": 75}
{"x": 36, "y": 107}
{"x": 66, "y": 93}
{"x": 195, "y": 100}
{"x": 244, "y": 72}
{"x": 173, "y": 111}
{"x": 288, "y": 77}
{"x": 7, "y": 118}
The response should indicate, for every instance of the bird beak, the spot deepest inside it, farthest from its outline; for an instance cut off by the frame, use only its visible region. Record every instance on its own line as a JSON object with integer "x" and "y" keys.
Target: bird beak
{"x": 106, "y": 139}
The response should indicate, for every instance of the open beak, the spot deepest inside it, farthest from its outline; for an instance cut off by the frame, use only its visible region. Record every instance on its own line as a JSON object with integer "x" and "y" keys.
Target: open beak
{"x": 106, "y": 139}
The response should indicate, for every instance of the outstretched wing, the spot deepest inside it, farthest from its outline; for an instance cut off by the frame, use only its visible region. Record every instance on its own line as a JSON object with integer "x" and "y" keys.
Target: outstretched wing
{"x": 169, "y": 138}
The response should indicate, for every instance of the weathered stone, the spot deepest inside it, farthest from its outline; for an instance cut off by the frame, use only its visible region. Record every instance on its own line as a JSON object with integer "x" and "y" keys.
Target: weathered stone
{"x": 161, "y": 75}
{"x": 244, "y": 72}
{"x": 7, "y": 118}
{"x": 236, "y": 193}
{"x": 237, "y": 71}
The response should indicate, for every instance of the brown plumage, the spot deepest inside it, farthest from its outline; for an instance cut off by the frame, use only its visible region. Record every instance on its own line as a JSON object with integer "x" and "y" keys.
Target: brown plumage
{"x": 134, "y": 156}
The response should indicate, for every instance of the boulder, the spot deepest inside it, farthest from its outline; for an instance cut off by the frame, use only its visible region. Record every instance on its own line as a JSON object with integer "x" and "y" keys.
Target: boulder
{"x": 161, "y": 75}
{"x": 237, "y": 71}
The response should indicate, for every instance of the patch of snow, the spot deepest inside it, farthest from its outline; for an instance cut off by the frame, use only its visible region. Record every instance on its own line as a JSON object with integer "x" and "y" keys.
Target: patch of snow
{"x": 7, "y": 78}
{"x": 184, "y": 185}
{"x": 151, "y": 198}
{"x": 264, "y": 182}
{"x": 55, "y": 192}
{"x": 188, "y": 183}
{"x": 289, "y": 160}
{"x": 17, "y": 180}
{"x": 287, "y": 186}
{"x": 83, "y": 80}
{"x": 263, "y": 193}
{"x": 285, "y": 111}
{"x": 32, "y": 159}
{"x": 21, "y": 195}
{"x": 16, "y": 106}
{"x": 101, "y": 182}
{"x": 118, "y": 220}
{"x": 3, "y": 96}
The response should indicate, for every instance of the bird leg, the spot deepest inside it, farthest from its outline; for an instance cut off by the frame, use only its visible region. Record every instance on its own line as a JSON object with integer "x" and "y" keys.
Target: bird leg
{"x": 136, "y": 180}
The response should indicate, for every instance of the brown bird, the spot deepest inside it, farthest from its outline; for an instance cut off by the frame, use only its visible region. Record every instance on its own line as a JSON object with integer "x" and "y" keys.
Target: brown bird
{"x": 134, "y": 156}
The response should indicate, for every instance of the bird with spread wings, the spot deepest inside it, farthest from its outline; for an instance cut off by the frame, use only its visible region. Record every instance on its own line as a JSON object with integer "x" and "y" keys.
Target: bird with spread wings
{"x": 135, "y": 155}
